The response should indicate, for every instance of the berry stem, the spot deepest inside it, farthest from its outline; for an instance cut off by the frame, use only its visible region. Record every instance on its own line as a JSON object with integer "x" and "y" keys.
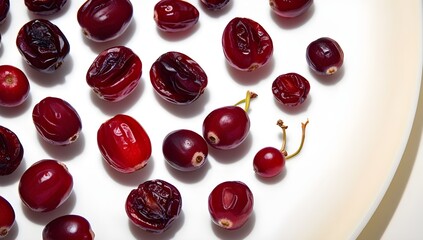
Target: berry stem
{"x": 283, "y": 127}
{"x": 303, "y": 128}
{"x": 247, "y": 100}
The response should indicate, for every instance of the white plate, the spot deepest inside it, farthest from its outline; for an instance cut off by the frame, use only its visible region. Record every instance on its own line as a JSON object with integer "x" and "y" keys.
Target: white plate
{"x": 359, "y": 121}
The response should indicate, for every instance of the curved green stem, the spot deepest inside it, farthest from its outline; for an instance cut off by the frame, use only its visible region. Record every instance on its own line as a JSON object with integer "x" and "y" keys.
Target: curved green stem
{"x": 247, "y": 100}
{"x": 303, "y": 128}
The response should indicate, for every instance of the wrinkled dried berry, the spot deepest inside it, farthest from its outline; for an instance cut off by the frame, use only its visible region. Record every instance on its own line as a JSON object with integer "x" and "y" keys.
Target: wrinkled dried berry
{"x": 45, "y": 7}
{"x": 290, "y": 89}
{"x": 11, "y": 151}
{"x": 175, "y": 15}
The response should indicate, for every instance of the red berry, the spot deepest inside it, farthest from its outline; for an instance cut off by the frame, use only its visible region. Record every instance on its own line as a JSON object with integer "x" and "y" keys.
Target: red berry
{"x": 290, "y": 89}
{"x": 269, "y": 162}
{"x": 42, "y": 45}
{"x": 14, "y": 86}
{"x": 324, "y": 56}
{"x": 45, "y": 7}
{"x": 246, "y": 44}
{"x": 215, "y": 4}
{"x": 175, "y": 15}
{"x": 4, "y": 10}
{"x": 154, "y": 205}
{"x": 115, "y": 73}
{"x": 231, "y": 204}
{"x": 185, "y": 150}
{"x": 69, "y": 227}
{"x": 45, "y": 185}
{"x": 124, "y": 143}
{"x": 104, "y": 20}
{"x": 56, "y": 121}
{"x": 290, "y": 9}
{"x": 177, "y": 78}
{"x": 11, "y": 151}
{"x": 7, "y": 217}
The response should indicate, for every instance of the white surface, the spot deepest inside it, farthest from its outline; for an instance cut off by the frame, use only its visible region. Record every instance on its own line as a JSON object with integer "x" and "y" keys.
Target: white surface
{"x": 359, "y": 121}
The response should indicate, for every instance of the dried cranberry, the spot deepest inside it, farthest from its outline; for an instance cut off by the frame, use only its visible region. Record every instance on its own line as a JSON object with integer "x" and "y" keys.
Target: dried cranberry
{"x": 324, "y": 56}
{"x": 11, "y": 151}
{"x": 14, "y": 86}
{"x": 231, "y": 204}
{"x": 45, "y": 185}
{"x": 177, "y": 78}
{"x": 42, "y": 45}
{"x": 215, "y": 4}
{"x": 124, "y": 143}
{"x": 104, "y": 20}
{"x": 45, "y": 7}
{"x": 4, "y": 10}
{"x": 70, "y": 227}
{"x": 246, "y": 44}
{"x": 154, "y": 205}
{"x": 290, "y": 89}
{"x": 115, "y": 73}
{"x": 7, "y": 217}
{"x": 56, "y": 121}
{"x": 290, "y": 9}
{"x": 175, "y": 15}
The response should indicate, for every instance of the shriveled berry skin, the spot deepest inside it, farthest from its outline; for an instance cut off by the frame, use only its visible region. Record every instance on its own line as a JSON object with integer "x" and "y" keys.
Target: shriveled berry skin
{"x": 124, "y": 143}
{"x": 115, "y": 73}
{"x": 175, "y": 15}
{"x": 291, "y": 8}
{"x": 231, "y": 204}
{"x": 246, "y": 44}
{"x": 290, "y": 89}
{"x": 226, "y": 127}
{"x": 154, "y": 205}
{"x": 69, "y": 227}
{"x": 185, "y": 150}
{"x": 45, "y": 7}
{"x": 4, "y": 10}
{"x": 324, "y": 56}
{"x": 7, "y": 217}
{"x": 45, "y": 185}
{"x": 268, "y": 162}
{"x": 14, "y": 86}
{"x": 11, "y": 151}
{"x": 56, "y": 121}
{"x": 105, "y": 20}
{"x": 178, "y": 78}
{"x": 42, "y": 45}
{"x": 215, "y": 4}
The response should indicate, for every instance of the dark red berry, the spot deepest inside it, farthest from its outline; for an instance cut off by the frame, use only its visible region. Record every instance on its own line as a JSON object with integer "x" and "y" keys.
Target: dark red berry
{"x": 231, "y": 204}
{"x": 290, "y": 89}
{"x": 42, "y": 45}
{"x": 154, "y": 205}
{"x": 185, "y": 150}
{"x": 4, "y": 10}
{"x": 324, "y": 56}
{"x": 14, "y": 86}
{"x": 124, "y": 143}
{"x": 69, "y": 227}
{"x": 105, "y": 20}
{"x": 114, "y": 73}
{"x": 56, "y": 121}
{"x": 291, "y": 8}
{"x": 215, "y": 4}
{"x": 11, "y": 151}
{"x": 175, "y": 15}
{"x": 45, "y": 185}
{"x": 246, "y": 44}
{"x": 177, "y": 78}
{"x": 268, "y": 162}
{"x": 45, "y": 7}
{"x": 7, "y": 217}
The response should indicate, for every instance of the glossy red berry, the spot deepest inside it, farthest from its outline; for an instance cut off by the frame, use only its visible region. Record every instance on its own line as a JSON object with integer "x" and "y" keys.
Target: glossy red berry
{"x": 154, "y": 205}
{"x": 269, "y": 162}
{"x": 215, "y": 4}
{"x": 14, "y": 86}
{"x": 56, "y": 121}
{"x": 177, "y": 78}
{"x": 7, "y": 217}
{"x": 69, "y": 227}
{"x": 324, "y": 56}
{"x": 246, "y": 44}
{"x": 290, "y": 89}
{"x": 42, "y": 45}
{"x": 115, "y": 73}
{"x": 45, "y": 185}
{"x": 175, "y": 15}
{"x": 185, "y": 150}
{"x": 45, "y": 7}
{"x": 11, "y": 151}
{"x": 231, "y": 204}
{"x": 124, "y": 143}
{"x": 4, "y": 10}
{"x": 104, "y": 20}
{"x": 291, "y": 8}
